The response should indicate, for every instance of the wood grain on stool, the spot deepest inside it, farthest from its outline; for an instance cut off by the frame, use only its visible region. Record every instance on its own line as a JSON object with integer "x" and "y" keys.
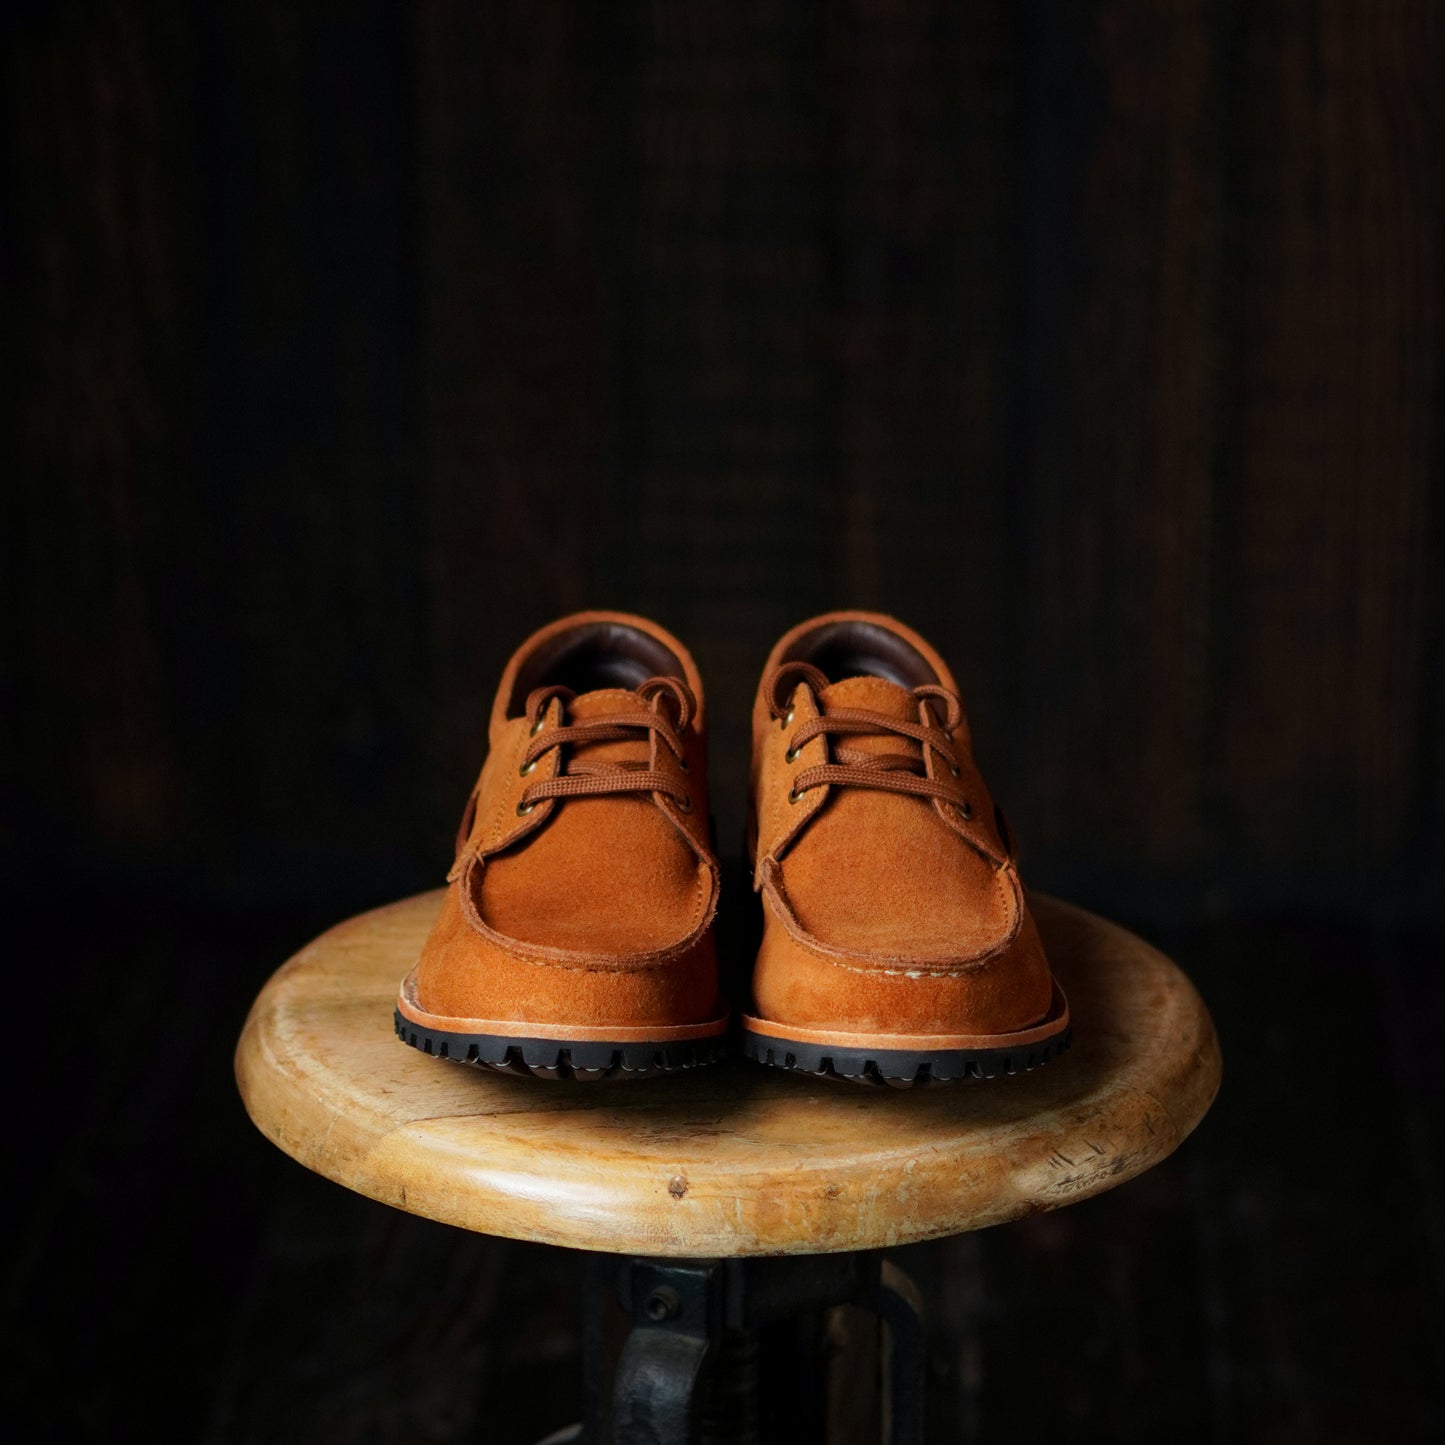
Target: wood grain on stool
{"x": 734, "y": 1159}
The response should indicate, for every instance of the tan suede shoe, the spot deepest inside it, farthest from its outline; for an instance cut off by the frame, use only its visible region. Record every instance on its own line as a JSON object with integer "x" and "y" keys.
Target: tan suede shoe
{"x": 897, "y": 943}
{"x": 576, "y": 940}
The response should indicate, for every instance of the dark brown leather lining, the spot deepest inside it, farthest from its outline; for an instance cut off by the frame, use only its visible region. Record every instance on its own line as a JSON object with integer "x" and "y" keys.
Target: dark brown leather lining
{"x": 862, "y": 649}
{"x": 592, "y": 656}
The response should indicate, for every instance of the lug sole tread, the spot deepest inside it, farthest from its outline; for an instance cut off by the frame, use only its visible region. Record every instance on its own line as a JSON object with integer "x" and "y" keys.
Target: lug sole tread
{"x": 554, "y": 1059}
{"x": 900, "y": 1069}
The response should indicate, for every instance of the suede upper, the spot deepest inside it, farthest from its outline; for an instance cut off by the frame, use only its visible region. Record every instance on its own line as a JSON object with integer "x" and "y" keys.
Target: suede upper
{"x": 584, "y": 885}
{"x": 886, "y": 910}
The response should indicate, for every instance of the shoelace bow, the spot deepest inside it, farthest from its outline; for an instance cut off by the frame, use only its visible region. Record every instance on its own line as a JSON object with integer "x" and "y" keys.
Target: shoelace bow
{"x": 856, "y": 768}
{"x": 595, "y": 779}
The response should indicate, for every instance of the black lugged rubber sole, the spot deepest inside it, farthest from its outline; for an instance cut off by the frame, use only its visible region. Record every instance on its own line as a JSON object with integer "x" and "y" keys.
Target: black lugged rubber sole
{"x": 899, "y": 1068}
{"x": 560, "y": 1058}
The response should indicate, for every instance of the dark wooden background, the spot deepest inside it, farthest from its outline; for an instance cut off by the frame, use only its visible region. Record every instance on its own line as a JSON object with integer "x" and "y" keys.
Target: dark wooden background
{"x": 1102, "y": 342}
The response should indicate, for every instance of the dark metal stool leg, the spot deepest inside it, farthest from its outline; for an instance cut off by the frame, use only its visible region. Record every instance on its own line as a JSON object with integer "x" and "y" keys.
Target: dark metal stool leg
{"x": 730, "y": 1390}
{"x": 689, "y": 1370}
{"x": 677, "y": 1314}
{"x": 894, "y": 1298}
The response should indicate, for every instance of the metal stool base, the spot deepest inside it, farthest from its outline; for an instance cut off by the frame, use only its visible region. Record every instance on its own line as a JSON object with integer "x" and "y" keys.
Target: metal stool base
{"x": 691, "y": 1369}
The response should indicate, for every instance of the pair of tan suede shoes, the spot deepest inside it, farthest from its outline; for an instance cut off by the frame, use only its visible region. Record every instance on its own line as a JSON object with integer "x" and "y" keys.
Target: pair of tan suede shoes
{"x": 576, "y": 938}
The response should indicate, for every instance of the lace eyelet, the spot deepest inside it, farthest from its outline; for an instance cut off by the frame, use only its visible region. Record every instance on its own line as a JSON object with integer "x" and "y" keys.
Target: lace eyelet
{"x": 786, "y": 719}
{"x": 791, "y": 756}
{"x": 684, "y": 803}
{"x": 524, "y": 808}
{"x": 794, "y": 796}
{"x": 964, "y": 809}
{"x": 954, "y": 769}
{"x": 527, "y": 769}
{"x": 682, "y": 763}
{"x": 539, "y": 725}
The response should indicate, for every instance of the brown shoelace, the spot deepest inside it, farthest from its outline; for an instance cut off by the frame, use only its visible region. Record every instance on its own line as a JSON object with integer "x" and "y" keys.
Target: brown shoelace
{"x": 595, "y": 779}
{"x": 856, "y": 768}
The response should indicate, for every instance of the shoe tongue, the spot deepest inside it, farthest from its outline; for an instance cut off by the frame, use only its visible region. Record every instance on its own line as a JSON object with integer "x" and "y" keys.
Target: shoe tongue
{"x": 605, "y": 702}
{"x": 597, "y": 706}
{"x": 876, "y": 694}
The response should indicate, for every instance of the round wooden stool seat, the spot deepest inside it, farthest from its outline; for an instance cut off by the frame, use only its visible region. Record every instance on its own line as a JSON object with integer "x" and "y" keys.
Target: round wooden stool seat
{"x": 734, "y": 1159}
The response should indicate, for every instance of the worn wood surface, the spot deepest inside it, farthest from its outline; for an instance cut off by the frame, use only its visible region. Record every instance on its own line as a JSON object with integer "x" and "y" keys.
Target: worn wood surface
{"x": 729, "y": 1160}
{"x": 1281, "y": 1279}
{"x": 1101, "y": 339}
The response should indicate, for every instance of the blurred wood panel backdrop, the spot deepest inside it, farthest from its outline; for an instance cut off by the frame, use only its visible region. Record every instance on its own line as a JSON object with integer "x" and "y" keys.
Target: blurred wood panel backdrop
{"x": 1102, "y": 342}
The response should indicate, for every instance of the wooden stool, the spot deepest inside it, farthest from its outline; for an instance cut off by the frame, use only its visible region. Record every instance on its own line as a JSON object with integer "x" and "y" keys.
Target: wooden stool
{"x": 741, "y": 1195}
